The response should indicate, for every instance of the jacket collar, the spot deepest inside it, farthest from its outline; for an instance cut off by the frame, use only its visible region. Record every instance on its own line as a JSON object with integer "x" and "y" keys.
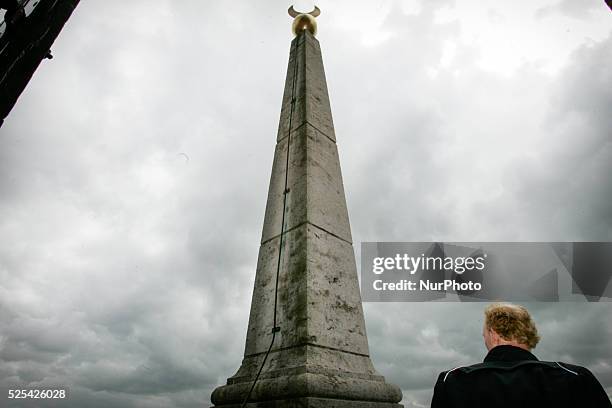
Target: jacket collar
{"x": 508, "y": 353}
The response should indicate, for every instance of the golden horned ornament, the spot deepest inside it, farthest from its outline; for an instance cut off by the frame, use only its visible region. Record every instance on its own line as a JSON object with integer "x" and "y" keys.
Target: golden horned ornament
{"x": 304, "y": 21}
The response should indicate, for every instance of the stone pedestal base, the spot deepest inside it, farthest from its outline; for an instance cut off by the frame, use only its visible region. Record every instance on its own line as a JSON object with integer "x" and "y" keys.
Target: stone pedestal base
{"x": 311, "y": 402}
{"x": 313, "y": 390}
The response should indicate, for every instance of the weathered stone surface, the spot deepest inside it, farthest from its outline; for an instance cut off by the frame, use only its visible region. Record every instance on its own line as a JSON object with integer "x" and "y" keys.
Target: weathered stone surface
{"x": 318, "y": 294}
{"x": 316, "y": 192}
{"x": 310, "y": 385}
{"x": 310, "y": 402}
{"x": 320, "y": 357}
{"x": 307, "y": 358}
{"x": 311, "y": 96}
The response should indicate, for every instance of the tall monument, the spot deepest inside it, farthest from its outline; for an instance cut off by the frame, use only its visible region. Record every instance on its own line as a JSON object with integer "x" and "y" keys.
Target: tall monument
{"x": 306, "y": 343}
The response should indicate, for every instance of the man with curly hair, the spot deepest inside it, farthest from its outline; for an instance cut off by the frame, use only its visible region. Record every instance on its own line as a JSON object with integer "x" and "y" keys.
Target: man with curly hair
{"x": 511, "y": 376}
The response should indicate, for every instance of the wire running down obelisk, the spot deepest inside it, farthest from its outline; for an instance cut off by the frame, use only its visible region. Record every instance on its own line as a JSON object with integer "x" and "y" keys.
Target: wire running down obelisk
{"x": 306, "y": 342}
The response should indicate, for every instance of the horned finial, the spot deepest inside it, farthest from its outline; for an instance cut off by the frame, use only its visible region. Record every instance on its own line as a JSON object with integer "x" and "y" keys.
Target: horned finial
{"x": 304, "y": 21}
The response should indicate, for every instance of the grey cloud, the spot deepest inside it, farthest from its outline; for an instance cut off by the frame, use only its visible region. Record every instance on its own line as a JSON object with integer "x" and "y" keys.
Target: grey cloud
{"x": 572, "y": 8}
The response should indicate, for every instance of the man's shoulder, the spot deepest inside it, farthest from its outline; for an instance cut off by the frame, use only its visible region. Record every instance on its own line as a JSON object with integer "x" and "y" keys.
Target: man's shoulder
{"x": 511, "y": 366}
{"x": 443, "y": 376}
{"x": 575, "y": 369}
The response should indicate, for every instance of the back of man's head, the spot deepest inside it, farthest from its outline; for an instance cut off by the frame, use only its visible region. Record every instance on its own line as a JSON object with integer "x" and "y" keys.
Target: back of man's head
{"x": 506, "y": 323}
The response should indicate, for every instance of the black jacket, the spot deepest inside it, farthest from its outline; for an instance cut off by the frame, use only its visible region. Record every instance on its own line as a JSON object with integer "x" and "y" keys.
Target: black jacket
{"x": 513, "y": 377}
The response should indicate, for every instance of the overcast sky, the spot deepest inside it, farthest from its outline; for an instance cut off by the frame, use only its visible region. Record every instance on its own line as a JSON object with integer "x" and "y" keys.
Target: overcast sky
{"x": 134, "y": 172}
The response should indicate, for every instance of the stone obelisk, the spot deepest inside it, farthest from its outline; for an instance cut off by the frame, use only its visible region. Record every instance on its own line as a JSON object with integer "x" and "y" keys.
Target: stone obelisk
{"x": 306, "y": 323}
